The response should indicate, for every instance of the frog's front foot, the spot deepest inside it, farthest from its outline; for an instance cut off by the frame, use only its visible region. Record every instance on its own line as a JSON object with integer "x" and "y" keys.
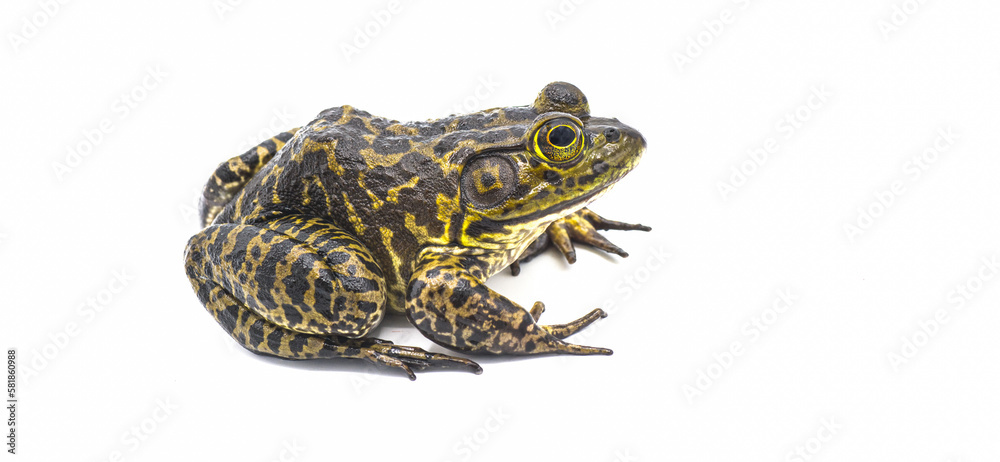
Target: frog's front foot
{"x": 448, "y": 302}
{"x": 581, "y": 227}
{"x": 561, "y": 331}
{"x": 410, "y": 358}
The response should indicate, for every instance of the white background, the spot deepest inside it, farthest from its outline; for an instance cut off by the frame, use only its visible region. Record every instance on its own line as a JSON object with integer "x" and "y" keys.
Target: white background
{"x": 150, "y": 376}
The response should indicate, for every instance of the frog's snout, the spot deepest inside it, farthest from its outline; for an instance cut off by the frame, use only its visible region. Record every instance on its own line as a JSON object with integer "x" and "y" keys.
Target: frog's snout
{"x": 629, "y": 135}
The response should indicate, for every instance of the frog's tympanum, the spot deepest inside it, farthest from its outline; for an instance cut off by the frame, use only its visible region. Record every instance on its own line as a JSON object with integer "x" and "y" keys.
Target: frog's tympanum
{"x": 315, "y": 234}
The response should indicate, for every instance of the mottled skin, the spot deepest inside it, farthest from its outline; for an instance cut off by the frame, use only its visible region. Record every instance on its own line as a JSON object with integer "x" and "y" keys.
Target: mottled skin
{"x": 314, "y": 235}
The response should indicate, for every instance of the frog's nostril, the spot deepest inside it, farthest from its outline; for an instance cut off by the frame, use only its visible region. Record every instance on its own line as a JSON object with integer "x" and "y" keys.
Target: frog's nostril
{"x": 612, "y": 134}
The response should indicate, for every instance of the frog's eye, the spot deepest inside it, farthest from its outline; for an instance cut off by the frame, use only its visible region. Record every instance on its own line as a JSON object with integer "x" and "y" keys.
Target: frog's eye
{"x": 558, "y": 140}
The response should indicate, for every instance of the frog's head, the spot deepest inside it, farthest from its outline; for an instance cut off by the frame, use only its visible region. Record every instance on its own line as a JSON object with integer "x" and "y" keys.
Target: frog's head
{"x": 564, "y": 159}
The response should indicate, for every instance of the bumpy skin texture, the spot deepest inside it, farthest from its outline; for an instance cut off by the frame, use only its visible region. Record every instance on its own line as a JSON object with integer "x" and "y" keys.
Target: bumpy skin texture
{"x": 313, "y": 236}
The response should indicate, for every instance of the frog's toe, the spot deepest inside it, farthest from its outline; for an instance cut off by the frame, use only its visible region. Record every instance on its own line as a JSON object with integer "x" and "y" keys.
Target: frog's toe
{"x": 558, "y": 235}
{"x": 579, "y": 227}
{"x": 584, "y": 225}
{"x": 602, "y": 223}
{"x": 395, "y": 362}
{"x": 594, "y": 239}
{"x": 412, "y": 358}
{"x": 562, "y": 238}
{"x": 536, "y": 310}
{"x": 573, "y": 349}
{"x": 561, "y": 331}
{"x": 557, "y": 346}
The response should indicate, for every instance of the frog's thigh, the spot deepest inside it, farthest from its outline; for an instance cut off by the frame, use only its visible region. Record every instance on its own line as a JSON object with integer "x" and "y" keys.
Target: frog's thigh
{"x": 300, "y": 274}
{"x": 261, "y": 336}
{"x": 265, "y": 337}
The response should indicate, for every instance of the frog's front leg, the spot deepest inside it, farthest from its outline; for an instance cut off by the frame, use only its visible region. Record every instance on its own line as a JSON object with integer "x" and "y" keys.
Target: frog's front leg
{"x": 581, "y": 227}
{"x": 448, "y": 302}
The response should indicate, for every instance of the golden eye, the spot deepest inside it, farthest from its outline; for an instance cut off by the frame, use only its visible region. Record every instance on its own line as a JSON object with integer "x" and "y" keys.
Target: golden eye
{"x": 558, "y": 140}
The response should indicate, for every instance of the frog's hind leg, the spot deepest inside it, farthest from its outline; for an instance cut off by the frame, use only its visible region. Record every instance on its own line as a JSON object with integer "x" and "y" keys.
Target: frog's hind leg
{"x": 264, "y": 337}
{"x": 299, "y": 288}
{"x": 232, "y": 175}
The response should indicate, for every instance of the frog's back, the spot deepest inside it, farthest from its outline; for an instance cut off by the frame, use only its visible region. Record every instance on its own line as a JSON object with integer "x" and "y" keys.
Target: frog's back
{"x": 375, "y": 178}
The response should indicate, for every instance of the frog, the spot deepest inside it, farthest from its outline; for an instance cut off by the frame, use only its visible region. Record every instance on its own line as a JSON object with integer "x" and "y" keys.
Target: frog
{"x": 313, "y": 237}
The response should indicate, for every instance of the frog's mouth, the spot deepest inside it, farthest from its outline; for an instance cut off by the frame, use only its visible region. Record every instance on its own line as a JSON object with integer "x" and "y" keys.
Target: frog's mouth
{"x": 571, "y": 205}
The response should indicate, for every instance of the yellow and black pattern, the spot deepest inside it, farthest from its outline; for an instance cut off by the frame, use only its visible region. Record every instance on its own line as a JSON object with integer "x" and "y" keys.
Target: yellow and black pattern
{"x": 298, "y": 288}
{"x": 449, "y": 302}
{"x": 314, "y": 236}
{"x": 301, "y": 273}
{"x": 262, "y": 337}
{"x": 232, "y": 175}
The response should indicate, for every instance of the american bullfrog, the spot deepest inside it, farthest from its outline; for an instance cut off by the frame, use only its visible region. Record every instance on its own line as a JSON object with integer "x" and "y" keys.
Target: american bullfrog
{"x": 313, "y": 236}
